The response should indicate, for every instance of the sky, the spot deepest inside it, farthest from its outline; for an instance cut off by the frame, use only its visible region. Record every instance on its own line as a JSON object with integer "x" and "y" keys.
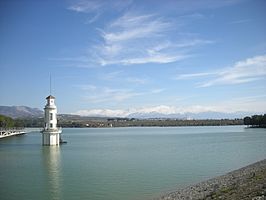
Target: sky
{"x": 119, "y": 57}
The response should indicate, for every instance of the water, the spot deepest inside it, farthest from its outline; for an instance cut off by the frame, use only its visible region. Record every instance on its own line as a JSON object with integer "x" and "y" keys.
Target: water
{"x": 123, "y": 163}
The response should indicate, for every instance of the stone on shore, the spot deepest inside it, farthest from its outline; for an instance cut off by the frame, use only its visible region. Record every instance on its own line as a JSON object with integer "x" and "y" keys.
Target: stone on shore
{"x": 247, "y": 183}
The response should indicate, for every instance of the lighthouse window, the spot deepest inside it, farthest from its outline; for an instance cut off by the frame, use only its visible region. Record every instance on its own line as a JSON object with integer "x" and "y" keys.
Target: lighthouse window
{"x": 51, "y": 125}
{"x": 51, "y": 116}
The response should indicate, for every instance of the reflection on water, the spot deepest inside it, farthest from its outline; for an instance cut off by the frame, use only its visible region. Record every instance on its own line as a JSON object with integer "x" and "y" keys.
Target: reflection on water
{"x": 52, "y": 165}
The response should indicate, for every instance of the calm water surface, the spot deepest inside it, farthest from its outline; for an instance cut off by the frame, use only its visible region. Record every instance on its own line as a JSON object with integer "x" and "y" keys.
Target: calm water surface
{"x": 123, "y": 163}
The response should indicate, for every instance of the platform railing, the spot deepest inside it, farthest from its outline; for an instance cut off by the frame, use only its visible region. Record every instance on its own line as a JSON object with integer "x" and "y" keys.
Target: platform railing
{"x": 12, "y": 129}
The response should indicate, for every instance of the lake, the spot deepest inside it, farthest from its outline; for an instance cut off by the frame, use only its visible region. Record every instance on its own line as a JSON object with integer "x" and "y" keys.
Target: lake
{"x": 123, "y": 163}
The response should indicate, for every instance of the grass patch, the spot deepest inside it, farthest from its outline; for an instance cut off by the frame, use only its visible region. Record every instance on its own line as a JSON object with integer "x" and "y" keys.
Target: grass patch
{"x": 225, "y": 190}
{"x": 258, "y": 177}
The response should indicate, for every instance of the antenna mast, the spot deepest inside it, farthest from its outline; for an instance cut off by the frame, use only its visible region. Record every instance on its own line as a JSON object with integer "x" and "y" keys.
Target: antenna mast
{"x": 50, "y": 84}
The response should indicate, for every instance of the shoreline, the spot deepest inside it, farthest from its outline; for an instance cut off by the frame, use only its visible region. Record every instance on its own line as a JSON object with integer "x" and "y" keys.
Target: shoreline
{"x": 246, "y": 183}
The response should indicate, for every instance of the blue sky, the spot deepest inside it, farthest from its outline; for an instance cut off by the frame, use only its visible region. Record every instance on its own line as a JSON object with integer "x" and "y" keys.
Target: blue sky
{"x": 115, "y": 58}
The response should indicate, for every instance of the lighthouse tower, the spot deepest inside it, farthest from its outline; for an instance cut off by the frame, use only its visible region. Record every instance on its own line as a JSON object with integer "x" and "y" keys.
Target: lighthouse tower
{"x": 50, "y": 132}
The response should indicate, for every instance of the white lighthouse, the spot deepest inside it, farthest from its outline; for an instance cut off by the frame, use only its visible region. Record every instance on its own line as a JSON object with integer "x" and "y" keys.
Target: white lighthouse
{"x": 50, "y": 132}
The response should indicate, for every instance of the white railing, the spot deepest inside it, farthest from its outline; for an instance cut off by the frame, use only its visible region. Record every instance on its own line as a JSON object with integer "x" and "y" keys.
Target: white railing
{"x": 5, "y": 132}
{"x": 12, "y": 129}
{"x": 58, "y": 129}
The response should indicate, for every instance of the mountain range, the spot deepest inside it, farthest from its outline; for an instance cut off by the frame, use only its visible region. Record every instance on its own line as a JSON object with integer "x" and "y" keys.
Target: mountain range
{"x": 20, "y": 111}
{"x": 190, "y": 115}
{"x": 26, "y": 112}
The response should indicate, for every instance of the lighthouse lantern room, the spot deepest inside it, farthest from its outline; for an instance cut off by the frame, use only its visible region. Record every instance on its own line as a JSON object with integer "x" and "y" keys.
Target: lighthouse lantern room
{"x": 50, "y": 132}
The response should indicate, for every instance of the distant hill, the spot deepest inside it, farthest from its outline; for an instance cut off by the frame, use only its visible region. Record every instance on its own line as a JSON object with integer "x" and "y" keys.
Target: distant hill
{"x": 20, "y": 111}
{"x": 187, "y": 115}
{"x": 162, "y": 112}
{"x": 28, "y": 112}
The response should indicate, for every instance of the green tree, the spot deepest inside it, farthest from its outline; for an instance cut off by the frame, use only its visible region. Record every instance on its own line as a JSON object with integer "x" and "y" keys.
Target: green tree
{"x": 247, "y": 120}
{"x": 6, "y": 122}
{"x": 256, "y": 121}
{"x": 264, "y": 119}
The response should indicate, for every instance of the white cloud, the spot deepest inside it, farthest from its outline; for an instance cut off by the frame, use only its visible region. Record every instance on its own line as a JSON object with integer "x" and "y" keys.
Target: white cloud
{"x": 135, "y": 37}
{"x": 94, "y": 94}
{"x": 192, "y": 5}
{"x": 241, "y": 21}
{"x": 140, "y": 81}
{"x": 249, "y": 70}
{"x": 86, "y": 6}
{"x": 94, "y": 9}
{"x": 159, "y": 47}
{"x": 157, "y": 91}
{"x": 194, "y": 75}
{"x": 123, "y": 40}
{"x": 92, "y": 6}
{"x": 142, "y": 38}
{"x": 182, "y": 6}
{"x": 193, "y": 42}
{"x": 94, "y": 18}
{"x": 131, "y": 26}
{"x": 112, "y": 75}
{"x": 159, "y": 58}
{"x": 121, "y": 76}
{"x": 87, "y": 87}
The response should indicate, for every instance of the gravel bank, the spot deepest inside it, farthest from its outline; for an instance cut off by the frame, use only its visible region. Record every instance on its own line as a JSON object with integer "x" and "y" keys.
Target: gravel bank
{"x": 246, "y": 183}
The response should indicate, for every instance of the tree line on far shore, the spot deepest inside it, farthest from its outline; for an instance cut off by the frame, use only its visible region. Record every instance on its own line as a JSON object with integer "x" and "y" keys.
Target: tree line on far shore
{"x": 251, "y": 121}
{"x": 8, "y": 122}
{"x": 256, "y": 121}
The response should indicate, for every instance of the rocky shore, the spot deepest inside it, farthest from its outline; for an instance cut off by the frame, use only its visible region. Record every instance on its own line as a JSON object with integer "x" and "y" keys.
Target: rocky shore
{"x": 247, "y": 183}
